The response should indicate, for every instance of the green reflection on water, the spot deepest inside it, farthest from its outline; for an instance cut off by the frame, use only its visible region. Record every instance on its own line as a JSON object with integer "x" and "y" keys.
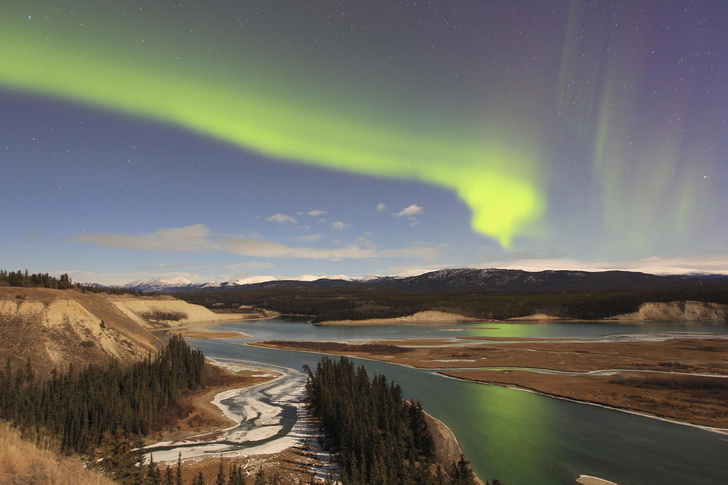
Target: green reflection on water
{"x": 506, "y": 434}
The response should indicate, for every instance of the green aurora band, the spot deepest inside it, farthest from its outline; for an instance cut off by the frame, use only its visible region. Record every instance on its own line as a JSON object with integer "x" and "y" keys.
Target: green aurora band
{"x": 243, "y": 102}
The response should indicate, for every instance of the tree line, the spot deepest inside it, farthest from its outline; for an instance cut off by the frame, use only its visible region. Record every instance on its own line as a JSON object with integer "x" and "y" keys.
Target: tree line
{"x": 379, "y": 437}
{"x": 44, "y": 280}
{"x": 360, "y": 304}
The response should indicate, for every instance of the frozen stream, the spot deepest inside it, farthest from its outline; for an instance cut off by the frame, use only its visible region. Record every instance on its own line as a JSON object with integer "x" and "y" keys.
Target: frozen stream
{"x": 270, "y": 417}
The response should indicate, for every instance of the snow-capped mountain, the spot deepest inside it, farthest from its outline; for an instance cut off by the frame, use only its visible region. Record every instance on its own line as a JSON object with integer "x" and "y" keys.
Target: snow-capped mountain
{"x": 159, "y": 285}
{"x": 446, "y": 279}
{"x": 179, "y": 285}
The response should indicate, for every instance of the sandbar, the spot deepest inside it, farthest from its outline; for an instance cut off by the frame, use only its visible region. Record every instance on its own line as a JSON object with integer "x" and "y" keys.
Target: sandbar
{"x": 208, "y": 335}
{"x": 589, "y": 480}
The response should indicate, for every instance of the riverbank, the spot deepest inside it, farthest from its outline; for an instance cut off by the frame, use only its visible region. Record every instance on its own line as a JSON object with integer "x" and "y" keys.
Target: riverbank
{"x": 201, "y": 416}
{"x": 419, "y": 318}
{"x": 685, "y": 311}
{"x": 210, "y": 334}
{"x": 691, "y": 387}
{"x": 206, "y": 329}
{"x": 203, "y": 437}
{"x": 588, "y": 480}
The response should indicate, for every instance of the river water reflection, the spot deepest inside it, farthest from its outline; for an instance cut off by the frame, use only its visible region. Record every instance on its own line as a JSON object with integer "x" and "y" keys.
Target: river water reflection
{"x": 515, "y": 436}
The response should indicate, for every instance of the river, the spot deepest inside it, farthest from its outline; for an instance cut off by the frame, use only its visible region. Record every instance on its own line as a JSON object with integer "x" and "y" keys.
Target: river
{"x": 516, "y": 436}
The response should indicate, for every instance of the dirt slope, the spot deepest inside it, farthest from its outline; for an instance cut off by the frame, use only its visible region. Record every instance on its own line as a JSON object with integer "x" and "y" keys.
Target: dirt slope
{"x": 138, "y": 308}
{"x": 678, "y": 311}
{"x": 58, "y": 327}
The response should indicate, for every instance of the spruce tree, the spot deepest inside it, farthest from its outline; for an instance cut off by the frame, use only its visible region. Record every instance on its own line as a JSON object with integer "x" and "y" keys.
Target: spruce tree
{"x": 220, "y": 480}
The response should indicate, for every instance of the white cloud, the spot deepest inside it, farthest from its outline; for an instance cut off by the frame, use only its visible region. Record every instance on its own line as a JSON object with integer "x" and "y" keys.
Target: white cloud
{"x": 381, "y": 207}
{"x": 188, "y": 239}
{"x": 409, "y": 211}
{"x": 282, "y": 218}
{"x": 197, "y": 238}
{"x": 310, "y": 238}
{"x": 316, "y": 213}
{"x": 338, "y": 225}
{"x": 266, "y": 249}
{"x": 248, "y": 265}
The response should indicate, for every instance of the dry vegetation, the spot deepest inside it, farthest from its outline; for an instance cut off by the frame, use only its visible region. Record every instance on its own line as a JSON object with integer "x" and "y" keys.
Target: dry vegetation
{"x": 157, "y": 316}
{"x": 26, "y": 462}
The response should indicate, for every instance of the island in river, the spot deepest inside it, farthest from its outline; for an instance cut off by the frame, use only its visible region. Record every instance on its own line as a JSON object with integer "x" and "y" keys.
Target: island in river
{"x": 681, "y": 379}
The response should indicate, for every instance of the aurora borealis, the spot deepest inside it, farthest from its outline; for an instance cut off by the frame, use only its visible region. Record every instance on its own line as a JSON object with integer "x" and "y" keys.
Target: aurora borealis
{"x": 230, "y": 139}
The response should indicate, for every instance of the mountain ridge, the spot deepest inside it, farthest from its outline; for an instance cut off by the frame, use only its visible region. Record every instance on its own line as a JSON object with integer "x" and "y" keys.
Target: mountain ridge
{"x": 492, "y": 279}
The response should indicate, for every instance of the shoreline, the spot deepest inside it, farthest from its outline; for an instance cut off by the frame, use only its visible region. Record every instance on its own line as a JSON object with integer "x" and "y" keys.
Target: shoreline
{"x": 428, "y": 317}
{"x": 589, "y": 403}
{"x": 204, "y": 329}
{"x": 209, "y": 335}
{"x": 685, "y": 312}
{"x": 205, "y": 417}
{"x": 590, "y": 480}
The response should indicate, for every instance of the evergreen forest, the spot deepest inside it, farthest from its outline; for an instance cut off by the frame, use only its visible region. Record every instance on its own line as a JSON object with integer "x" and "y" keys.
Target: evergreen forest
{"x": 380, "y": 438}
{"x": 359, "y": 304}
{"x": 81, "y": 407}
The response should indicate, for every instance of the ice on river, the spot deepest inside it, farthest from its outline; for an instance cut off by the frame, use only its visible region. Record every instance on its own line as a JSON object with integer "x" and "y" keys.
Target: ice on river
{"x": 269, "y": 417}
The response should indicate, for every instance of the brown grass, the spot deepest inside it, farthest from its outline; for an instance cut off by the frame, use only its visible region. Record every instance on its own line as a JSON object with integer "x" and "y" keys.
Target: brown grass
{"x": 24, "y": 462}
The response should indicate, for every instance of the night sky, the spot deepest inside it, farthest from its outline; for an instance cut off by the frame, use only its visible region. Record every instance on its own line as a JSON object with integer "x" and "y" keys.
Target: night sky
{"x": 220, "y": 140}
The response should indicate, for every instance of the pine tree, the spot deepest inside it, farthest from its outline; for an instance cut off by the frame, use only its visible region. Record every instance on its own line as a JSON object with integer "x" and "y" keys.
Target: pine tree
{"x": 168, "y": 477}
{"x": 260, "y": 478}
{"x": 461, "y": 473}
{"x": 121, "y": 460}
{"x": 220, "y": 480}
{"x": 178, "y": 472}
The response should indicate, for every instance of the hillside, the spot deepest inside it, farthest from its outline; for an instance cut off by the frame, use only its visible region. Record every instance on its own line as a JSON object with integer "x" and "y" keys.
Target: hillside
{"x": 678, "y": 311}
{"x": 164, "y": 311}
{"x": 25, "y": 462}
{"x": 55, "y": 328}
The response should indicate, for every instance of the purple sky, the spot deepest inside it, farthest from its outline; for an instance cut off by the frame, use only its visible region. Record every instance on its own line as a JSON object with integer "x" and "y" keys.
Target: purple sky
{"x": 225, "y": 140}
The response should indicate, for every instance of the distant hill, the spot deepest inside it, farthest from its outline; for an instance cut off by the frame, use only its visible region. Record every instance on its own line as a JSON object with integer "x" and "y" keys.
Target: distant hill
{"x": 455, "y": 279}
